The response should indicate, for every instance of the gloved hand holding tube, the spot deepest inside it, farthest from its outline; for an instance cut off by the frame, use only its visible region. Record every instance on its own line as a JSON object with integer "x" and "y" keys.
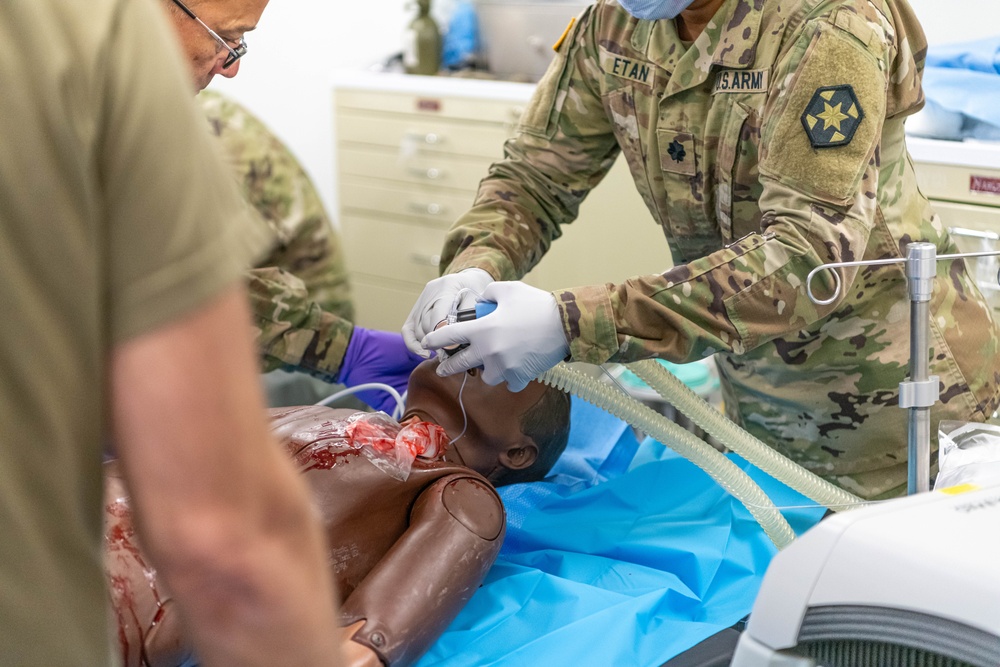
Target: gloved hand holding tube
{"x": 377, "y": 356}
{"x": 519, "y": 341}
{"x": 437, "y": 300}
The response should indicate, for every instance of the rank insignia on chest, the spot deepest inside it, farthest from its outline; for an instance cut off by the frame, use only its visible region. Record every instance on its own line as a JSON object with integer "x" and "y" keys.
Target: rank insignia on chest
{"x": 832, "y": 116}
{"x": 677, "y": 153}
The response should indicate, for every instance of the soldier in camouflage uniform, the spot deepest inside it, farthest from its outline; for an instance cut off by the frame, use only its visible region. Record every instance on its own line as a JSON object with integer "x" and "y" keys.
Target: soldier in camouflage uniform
{"x": 301, "y": 286}
{"x": 299, "y": 292}
{"x": 768, "y": 144}
{"x": 274, "y": 183}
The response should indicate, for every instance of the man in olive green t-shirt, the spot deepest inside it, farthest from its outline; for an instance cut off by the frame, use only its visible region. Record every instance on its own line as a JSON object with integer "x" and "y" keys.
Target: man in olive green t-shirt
{"x": 119, "y": 284}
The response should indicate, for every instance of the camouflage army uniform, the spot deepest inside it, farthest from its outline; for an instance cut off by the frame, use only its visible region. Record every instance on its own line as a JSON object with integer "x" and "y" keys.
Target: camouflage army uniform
{"x": 299, "y": 292}
{"x": 772, "y": 144}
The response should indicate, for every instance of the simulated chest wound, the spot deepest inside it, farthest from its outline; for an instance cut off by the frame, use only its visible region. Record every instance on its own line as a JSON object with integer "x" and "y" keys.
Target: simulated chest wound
{"x": 388, "y": 445}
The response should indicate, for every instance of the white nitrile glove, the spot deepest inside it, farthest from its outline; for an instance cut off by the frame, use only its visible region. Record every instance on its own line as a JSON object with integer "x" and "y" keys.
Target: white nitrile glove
{"x": 436, "y": 301}
{"x": 517, "y": 342}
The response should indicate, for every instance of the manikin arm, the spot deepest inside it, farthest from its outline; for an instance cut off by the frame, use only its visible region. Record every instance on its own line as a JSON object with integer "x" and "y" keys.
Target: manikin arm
{"x": 456, "y": 529}
{"x": 220, "y": 510}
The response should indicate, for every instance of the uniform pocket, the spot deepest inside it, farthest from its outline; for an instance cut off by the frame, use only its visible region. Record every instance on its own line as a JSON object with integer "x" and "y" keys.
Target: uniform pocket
{"x": 687, "y": 197}
{"x": 729, "y": 145}
{"x": 620, "y": 106}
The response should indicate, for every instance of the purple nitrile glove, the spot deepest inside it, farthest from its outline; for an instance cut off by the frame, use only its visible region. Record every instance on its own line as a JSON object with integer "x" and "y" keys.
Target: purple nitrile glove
{"x": 377, "y": 356}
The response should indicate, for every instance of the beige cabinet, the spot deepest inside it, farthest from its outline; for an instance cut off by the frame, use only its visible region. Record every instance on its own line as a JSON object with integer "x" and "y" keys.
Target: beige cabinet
{"x": 962, "y": 180}
{"x": 411, "y": 152}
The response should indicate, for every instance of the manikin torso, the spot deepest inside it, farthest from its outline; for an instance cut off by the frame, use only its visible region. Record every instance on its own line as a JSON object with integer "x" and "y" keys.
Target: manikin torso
{"x": 442, "y": 525}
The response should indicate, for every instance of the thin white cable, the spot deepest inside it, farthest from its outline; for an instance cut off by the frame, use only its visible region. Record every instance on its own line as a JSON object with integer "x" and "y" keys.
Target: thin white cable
{"x": 611, "y": 377}
{"x": 400, "y": 403}
{"x": 465, "y": 417}
{"x": 397, "y": 414}
{"x": 863, "y": 503}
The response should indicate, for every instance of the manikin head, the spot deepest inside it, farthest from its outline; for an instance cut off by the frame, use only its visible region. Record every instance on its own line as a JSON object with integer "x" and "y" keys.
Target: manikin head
{"x": 508, "y": 437}
{"x": 229, "y": 19}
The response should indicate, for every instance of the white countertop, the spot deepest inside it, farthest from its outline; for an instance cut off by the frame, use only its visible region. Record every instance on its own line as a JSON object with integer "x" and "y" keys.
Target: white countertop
{"x": 452, "y": 86}
{"x": 969, "y": 153}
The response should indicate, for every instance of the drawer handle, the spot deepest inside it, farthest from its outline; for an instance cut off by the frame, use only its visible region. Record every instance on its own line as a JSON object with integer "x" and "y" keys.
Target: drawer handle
{"x": 430, "y": 138}
{"x": 430, "y": 173}
{"x": 974, "y": 233}
{"x": 426, "y": 209}
{"x": 425, "y": 260}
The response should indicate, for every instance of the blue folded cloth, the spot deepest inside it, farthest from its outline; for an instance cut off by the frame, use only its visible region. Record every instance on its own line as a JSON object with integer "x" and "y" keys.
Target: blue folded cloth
{"x": 962, "y": 86}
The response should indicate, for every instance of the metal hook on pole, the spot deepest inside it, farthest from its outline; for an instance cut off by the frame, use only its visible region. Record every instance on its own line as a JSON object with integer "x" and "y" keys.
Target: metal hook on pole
{"x": 920, "y": 391}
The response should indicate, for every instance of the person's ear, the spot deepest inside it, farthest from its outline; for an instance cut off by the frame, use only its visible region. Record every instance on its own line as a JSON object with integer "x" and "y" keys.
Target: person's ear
{"x": 520, "y": 456}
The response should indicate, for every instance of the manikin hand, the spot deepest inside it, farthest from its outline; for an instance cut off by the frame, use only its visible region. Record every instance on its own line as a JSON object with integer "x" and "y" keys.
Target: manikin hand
{"x": 517, "y": 342}
{"x": 355, "y": 654}
{"x": 436, "y": 301}
{"x": 377, "y": 356}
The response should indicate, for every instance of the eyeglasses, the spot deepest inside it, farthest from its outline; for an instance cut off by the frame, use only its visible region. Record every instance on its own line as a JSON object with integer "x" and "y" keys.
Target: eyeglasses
{"x": 234, "y": 54}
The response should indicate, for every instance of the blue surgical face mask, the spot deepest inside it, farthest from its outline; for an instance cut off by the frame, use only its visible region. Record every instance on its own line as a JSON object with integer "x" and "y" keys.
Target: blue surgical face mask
{"x": 654, "y": 10}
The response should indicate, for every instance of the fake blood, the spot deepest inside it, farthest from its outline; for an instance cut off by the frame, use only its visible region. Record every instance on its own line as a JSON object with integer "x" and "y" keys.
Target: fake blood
{"x": 323, "y": 456}
{"x": 336, "y": 442}
{"x": 121, "y": 538}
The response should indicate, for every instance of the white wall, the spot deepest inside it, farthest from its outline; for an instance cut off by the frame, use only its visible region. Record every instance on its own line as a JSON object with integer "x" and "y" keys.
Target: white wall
{"x": 948, "y": 21}
{"x": 285, "y": 78}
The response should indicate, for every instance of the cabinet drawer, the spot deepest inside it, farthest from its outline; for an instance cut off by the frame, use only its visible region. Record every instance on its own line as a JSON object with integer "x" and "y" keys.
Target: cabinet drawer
{"x": 981, "y": 218}
{"x": 418, "y": 136}
{"x": 431, "y": 106}
{"x": 382, "y": 304}
{"x": 976, "y": 219}
{"x": 435, "y": 207}
{"x": 971, "y": 185}
{"x": 449, "y": 171}
{"x": 406, "y": 252}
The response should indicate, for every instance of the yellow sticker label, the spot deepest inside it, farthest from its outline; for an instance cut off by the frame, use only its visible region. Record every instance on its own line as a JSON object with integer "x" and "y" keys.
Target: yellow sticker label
{"x": 562, "y": 38}
{"x": 958, "y": 489}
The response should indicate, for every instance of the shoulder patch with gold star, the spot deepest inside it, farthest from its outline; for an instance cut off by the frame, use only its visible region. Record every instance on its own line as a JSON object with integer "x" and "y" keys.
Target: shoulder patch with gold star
{"x": 832, "y": 116}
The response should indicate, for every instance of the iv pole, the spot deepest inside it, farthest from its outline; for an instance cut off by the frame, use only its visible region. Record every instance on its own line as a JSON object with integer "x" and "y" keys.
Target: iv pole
{"x": 920, "y": 391}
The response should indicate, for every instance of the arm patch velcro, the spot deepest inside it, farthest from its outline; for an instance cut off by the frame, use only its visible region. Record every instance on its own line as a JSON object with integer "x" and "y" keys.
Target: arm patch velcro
{"x": 824, "y": 136}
